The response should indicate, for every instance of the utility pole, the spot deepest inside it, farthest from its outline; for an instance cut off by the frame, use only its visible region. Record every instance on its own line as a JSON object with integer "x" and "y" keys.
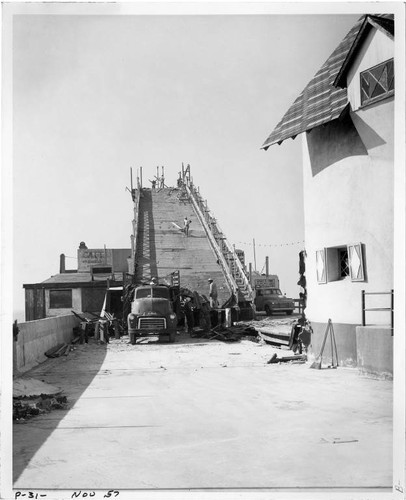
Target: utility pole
{"x": 267, "y": 266}
{"x": 255, "y": 258}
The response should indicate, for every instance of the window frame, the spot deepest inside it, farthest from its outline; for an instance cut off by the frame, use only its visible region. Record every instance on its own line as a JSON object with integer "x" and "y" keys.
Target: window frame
{"x": 386, "y": 95}
{"x": 52, "y": 304}
{"x": 328, "y": 265}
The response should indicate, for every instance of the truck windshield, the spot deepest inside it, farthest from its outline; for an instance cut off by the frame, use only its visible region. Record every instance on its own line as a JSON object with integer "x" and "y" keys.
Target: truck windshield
{"x": 144, "y": 293}
{"x": 272, "y": 291}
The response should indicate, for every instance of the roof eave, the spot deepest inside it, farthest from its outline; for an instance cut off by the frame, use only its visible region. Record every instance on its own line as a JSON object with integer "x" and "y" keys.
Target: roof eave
{"x": 369, "y": 22}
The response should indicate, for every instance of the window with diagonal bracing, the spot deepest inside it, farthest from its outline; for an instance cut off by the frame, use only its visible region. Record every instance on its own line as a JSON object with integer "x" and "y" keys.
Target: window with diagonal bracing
{"x": 377, "y": 82}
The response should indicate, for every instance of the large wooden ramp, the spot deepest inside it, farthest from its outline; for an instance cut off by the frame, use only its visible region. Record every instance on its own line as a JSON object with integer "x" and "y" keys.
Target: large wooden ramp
{"x": 163, "y": 248}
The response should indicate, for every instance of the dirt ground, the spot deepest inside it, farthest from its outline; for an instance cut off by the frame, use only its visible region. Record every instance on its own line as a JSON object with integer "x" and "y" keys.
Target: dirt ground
{"x": 204, "y": 414}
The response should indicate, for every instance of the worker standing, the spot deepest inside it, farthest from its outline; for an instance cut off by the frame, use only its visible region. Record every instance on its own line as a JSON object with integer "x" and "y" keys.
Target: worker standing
{"x": 213, "y": 294}
{"x": 186, "y": 224}
{"x": 189, "y": 315}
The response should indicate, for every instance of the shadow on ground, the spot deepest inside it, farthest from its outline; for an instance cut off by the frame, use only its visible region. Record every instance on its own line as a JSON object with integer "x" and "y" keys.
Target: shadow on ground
{"x": 54, "y": 372}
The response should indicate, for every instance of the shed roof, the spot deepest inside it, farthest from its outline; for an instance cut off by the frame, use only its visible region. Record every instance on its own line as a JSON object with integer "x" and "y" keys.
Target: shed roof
{"x": 69, "y": 278}
{"x": 320, "y": 102}
{"x": 75, "y": 280}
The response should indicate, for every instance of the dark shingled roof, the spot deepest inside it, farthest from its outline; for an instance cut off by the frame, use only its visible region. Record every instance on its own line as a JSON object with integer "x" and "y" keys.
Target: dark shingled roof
{"x": 320, "y": 102}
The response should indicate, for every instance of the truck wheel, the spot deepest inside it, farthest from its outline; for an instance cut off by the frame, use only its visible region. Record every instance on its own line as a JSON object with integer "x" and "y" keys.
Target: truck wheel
{"x": 268, "y": 311}
{"x": 132, "y": 338}
{"x": 172, "y": 337}
{"x": 288, "y": 313}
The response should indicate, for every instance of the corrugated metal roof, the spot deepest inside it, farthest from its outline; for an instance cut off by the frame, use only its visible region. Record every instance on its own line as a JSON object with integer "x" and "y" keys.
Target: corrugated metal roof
{"x": 320, "y": 102}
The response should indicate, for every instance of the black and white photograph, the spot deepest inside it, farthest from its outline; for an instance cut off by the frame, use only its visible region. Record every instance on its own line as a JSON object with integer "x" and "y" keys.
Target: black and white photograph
{"x": 203, "y": 245}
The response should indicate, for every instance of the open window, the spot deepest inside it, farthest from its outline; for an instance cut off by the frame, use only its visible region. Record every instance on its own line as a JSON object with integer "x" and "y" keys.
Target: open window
{"x": 340, "y": 263}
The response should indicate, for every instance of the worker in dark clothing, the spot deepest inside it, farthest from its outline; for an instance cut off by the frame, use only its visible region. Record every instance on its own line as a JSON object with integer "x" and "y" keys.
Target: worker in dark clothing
{"x": 205, "y": 320}
{"x": 189, "y": 315}
{"x": 197, "y": 308}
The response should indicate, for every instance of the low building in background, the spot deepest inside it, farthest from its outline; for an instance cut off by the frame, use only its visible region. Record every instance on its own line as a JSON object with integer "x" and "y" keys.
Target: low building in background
{"x": 80, "y": 290}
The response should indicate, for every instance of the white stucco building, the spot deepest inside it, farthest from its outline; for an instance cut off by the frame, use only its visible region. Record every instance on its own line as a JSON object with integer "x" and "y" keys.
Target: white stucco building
{"x": 345, "y": 116}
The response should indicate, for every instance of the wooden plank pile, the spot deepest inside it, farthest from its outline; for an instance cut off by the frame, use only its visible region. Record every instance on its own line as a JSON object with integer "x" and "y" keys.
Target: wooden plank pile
{"x": 230, "y": 334}
{"x": 59, "y": 350}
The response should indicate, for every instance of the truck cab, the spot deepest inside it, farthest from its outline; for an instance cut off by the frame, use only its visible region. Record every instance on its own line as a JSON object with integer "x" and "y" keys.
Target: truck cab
{"x": 152, "y": 313}
{"x": 271, "y": 300}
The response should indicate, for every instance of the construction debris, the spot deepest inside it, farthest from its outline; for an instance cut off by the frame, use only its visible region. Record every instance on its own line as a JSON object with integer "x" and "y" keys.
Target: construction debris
{"x": 226, "y": 334}
{"x": 59, "y": 350}
{"x": 27, "y": 407}
{"x": 298, "y": 358}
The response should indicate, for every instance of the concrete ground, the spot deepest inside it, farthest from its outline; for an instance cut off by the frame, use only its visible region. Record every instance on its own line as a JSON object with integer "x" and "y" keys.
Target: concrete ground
{"x": 204, "y": 414}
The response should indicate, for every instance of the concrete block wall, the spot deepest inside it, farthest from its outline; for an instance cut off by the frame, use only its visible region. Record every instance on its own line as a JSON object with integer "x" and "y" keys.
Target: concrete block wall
{"x": 375, "y": 350}
{"x": 36, "y": 337}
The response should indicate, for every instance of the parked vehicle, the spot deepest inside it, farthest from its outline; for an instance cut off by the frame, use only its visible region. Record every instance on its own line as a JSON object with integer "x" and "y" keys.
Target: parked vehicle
{"x": 271, "y": 300}
{"x": 152, "y": 313}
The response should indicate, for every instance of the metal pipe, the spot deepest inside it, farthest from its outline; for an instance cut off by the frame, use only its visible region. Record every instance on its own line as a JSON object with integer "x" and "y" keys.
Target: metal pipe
{"x": 392, "y": 307}
{"x": 62, "y": 263}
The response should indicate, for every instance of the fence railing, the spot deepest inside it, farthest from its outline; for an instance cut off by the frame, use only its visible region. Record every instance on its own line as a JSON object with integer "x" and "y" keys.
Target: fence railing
{"x": 376, "y": 309}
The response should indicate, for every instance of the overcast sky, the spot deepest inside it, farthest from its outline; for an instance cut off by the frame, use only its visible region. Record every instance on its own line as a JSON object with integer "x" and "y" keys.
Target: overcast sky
{"x": 95, "y": 95}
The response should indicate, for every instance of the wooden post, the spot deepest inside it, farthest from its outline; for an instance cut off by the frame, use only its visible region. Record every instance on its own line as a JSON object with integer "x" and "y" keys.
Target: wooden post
{"x": 363, "y": 306}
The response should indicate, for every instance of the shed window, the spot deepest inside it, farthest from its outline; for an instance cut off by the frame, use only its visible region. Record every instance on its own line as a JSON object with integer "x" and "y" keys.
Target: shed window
{"x": 60, "y": 299}
{"x": 377, "y": 82}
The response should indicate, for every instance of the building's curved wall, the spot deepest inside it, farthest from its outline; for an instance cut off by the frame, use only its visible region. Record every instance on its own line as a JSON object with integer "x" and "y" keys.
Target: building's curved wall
{"x": 351, "y": 201}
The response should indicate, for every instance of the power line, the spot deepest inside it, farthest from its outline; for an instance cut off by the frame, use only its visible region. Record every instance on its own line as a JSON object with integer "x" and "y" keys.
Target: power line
{"x": 273, "y": 246}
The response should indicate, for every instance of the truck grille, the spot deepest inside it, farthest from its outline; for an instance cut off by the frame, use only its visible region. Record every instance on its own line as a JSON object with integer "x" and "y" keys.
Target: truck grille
{"x": 152, "y": 323}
